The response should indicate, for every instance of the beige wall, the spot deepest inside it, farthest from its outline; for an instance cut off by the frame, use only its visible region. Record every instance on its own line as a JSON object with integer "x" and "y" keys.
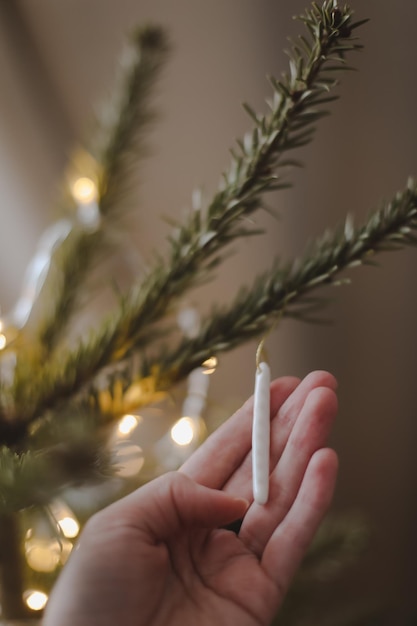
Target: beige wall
{"x": 363, "y": 153}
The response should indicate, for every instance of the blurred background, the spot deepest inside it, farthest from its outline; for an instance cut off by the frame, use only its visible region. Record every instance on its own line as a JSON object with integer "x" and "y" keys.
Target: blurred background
{"x": 57, "y": 63}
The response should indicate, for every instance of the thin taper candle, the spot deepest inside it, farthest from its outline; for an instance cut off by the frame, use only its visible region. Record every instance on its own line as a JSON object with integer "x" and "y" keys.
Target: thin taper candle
{"x": 261, "y": 433}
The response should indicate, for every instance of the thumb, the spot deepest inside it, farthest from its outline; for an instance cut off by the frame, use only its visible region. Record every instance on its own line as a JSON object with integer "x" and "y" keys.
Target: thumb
{"x": 173, "y": 502}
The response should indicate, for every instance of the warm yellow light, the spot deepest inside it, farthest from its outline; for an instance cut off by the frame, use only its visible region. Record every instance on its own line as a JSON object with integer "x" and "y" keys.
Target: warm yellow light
{"x": 3, "y": 341}
{"x": 210, "y": 365}
{"x": 36, "y": 600}
{"x": 84, "y": 190}
{"x": 182, "y": 433}
{"x": 127, "y": 424}
{"x": 65, "y": 519}
{"x": 42, "y": 556}
{"x": 69, "y": 526}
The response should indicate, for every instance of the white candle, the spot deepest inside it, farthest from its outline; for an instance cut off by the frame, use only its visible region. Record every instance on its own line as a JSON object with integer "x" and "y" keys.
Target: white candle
{"x": 261, "y": 433}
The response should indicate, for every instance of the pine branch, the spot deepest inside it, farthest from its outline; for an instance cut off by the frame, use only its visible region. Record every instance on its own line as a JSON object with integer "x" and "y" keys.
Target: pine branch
{"x": 285, "y": 291}
{"x": 131, "y": 115}
{"x": 35, "y": 477}
{"x": 122, "y": 142}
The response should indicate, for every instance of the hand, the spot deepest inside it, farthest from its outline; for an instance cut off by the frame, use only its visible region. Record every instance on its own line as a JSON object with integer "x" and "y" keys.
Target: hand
{"x": 160, "y": 555}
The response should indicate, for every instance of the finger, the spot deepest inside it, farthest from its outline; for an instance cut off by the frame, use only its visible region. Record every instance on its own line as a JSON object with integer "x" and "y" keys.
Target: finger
{"x": 223, "y": 452}
{"x": 282, "y": 423}
{"x": 290, "y": 541}
{"x": 309, "y": 434}
{"x": 172, "y": 502}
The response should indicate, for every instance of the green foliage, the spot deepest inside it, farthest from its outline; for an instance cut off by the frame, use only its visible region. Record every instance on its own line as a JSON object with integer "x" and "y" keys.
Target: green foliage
{"x": 196, "y": 246}
{"x": 57, "y": 405}
{"x": 285, "y": 290}
{"x": 120, "y": 145}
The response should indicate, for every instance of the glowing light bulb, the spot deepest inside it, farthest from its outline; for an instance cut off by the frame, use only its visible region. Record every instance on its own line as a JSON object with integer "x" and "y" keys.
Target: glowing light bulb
{"x": 35, "y": 600}
{"x": 69, "y": 526}
{"x": 127, "y": 424}
{"x": 42, "y": 555}
{"x": 210, "y": 365}
{"x": 84, "y": 190}
{"x": 3, "y": 341}
{"x": 65, "y": 519}
{"x": 183, "y": 431}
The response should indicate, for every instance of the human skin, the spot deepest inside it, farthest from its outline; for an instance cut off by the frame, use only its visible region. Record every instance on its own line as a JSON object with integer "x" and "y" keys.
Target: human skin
{"x": 162, "y": 555}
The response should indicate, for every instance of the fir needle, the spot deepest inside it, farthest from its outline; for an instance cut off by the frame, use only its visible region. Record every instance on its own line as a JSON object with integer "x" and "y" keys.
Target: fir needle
{"x": 261, "y": 433}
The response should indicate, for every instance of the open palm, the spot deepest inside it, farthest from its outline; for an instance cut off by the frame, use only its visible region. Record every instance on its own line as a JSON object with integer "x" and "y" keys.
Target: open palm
{"x": 162, "y": 555}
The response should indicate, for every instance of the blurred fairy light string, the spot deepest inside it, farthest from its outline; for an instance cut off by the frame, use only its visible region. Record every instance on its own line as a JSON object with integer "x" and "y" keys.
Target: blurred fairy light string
{"x": 182, "y": 433}
{"x": 189, "y": 430}
{"x": 48, "y": 539}
{"x": 36, "y": 600}
{"x": 127, "y": 424}
{"x": 85, "y": 193}
{"x": 84, "y": 190}
{"x": 47, "y": 545}
{"x": 65, "y": 519}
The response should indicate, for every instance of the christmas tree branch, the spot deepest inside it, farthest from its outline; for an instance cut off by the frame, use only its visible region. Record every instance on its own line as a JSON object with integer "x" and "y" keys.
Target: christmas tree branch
{"x": 35, "y": 477}
{"x": 285, "y": 291}
{"x": 121, "y": 142}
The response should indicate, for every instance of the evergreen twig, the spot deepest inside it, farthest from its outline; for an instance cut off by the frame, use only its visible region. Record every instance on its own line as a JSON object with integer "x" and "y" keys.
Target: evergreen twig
{"x": 285, "y": 291}
{"x": 36, "y": 477}
{"x": 121, "y": 143}
{"x": 124, "y": 141}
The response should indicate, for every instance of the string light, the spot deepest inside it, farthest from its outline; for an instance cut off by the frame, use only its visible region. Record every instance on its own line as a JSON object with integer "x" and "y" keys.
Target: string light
{"x": 209, "y": 365}
{"x": 43, "y": 555}
{"x": 84, "y": 190}
{"x": 42, "y": 546}
{"x": 65, "y": 519}
{"x": 183, "y": 431}
{"x": 85, "y": 193}
{"x": 127, "y": 424}
{"x": 188, "y": 431}
{"x": 36, "y": 600}
{"x": 69, "y": 526}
